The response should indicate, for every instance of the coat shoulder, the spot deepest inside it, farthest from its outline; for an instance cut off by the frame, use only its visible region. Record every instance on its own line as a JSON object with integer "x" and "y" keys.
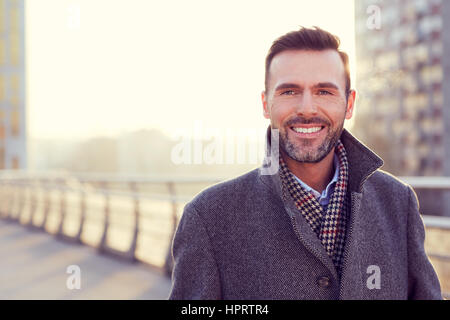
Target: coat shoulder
{"x": 227, "y": 192}
{"x": 388, "y": 184}
{"x": 385, "y": 177}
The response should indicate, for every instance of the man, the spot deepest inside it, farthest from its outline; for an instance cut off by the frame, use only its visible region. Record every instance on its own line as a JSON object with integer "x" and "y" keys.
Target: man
{"x": 327, "y": 223}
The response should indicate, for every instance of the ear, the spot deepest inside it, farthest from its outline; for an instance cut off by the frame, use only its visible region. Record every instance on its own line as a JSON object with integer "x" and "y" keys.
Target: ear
{"x": 266, "y": 111}
{"x": 350, "y": 104}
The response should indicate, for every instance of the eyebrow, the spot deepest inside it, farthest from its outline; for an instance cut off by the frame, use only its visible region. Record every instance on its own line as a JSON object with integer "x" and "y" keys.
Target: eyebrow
{"x": 316, "y": 86}
{"x": 326, "y": 85}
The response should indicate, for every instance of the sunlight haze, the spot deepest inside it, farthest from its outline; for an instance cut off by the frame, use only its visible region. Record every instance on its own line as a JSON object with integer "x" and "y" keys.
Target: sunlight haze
{"x": 102, "y": 67}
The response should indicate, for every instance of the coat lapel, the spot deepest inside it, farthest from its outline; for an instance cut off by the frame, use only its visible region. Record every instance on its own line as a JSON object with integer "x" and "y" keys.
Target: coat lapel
{"x": 362, "y": 162}
{"x": 350, "y": 267}
{"x": 303, "y": 230}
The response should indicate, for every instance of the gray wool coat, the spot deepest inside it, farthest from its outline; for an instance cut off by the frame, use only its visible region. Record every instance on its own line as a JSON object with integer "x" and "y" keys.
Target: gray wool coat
{"x": 239, "y": 240}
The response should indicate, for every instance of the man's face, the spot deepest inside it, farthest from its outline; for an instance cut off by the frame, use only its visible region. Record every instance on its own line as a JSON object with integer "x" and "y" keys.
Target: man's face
{"x": 306, "y": 101}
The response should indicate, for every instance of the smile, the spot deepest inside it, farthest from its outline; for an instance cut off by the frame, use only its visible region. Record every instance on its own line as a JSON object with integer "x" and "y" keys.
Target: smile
{"x": 310, "y": 132}
{"x": 307, "y": 130}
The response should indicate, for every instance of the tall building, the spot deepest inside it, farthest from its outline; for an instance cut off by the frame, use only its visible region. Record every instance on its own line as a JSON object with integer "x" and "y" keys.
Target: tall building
{"x": 403, "y": 79}
{"x": 13, "y": 146}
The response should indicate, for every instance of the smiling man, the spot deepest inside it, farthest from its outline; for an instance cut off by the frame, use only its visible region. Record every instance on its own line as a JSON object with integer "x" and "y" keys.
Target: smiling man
{"x": 327, "y": 223}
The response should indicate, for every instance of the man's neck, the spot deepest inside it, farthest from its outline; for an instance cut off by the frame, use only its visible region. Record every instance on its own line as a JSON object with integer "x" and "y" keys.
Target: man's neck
{"x": 315, "y": 175}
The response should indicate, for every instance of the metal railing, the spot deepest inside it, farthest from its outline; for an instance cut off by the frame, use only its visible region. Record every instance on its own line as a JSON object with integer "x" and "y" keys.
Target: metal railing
{"x": 41, "y": 201}
{"x": 69, "y": 206}
{"x": 441, "y": 224}
{"x": 435, "y": 223}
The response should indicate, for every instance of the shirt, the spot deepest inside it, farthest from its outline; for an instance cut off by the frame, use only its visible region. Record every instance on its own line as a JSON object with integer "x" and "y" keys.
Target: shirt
{"x": 324, "y": 197}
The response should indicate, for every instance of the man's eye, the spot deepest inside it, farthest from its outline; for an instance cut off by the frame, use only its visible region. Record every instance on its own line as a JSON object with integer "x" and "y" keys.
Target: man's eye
{"x": 288, "y": 93}
{"x": 324, "y": 92}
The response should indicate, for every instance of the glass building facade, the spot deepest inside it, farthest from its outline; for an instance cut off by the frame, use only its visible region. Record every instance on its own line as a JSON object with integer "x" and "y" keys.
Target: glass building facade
{"x": 403, "y": 73}
{"x": 13, "y": 148}
{"x": 401, "y": 78}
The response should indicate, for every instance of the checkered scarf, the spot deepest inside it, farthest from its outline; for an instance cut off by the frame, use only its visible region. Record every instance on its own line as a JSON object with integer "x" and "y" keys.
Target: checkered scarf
{"x": 329, "y": 226}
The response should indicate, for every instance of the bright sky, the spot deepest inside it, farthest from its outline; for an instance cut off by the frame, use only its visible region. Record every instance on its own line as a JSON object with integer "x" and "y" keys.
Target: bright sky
{"x": 101, "y": 67}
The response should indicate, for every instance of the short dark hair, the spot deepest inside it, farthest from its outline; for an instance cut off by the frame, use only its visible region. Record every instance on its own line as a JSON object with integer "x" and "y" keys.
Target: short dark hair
{"x": 314, "y": 39}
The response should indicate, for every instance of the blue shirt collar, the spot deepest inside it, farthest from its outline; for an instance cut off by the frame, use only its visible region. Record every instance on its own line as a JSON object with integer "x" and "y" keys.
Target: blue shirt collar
{"x": 324, "y": 197}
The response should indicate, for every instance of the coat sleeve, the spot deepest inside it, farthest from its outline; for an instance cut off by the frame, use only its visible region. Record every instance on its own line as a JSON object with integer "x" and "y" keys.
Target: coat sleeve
{"x": 195, "y": 274}
{"x": 423, "y": 283}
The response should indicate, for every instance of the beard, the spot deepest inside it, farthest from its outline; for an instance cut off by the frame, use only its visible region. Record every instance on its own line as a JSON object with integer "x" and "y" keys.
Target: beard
{"x": 302, "y": 150}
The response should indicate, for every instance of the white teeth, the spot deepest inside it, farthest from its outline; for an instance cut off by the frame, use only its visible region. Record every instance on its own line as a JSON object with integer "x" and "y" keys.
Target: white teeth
{"x": 309, "y": 130}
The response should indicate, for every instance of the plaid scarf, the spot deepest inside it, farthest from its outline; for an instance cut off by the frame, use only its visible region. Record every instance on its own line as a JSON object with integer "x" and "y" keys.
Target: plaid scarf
{"x": 330, "y": 226}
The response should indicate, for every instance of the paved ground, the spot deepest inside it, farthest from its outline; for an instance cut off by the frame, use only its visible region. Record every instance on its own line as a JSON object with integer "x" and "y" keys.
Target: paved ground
{"x": 33, "y": 265}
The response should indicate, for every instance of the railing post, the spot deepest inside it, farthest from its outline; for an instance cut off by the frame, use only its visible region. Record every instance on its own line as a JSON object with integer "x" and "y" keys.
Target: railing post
{"x": 47, "y": 203}
{"x": 133, "y": 246}
{"x": 33, "y": 200}
{"x": 168, "y": 266}
{"x": 20, "y": 199}
{"x": 14, "y": 196}
{"x": 82, "y": 212}
{"x": 62, "y": 206}
{"x": 103, "y": 241}
{"x": 20, "y": 202}
{"x": 2, "y": 198}
{"x": 8, "y": 213}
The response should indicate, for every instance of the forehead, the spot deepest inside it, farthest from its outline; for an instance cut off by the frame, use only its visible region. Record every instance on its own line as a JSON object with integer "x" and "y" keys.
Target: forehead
{"x": 307, "y": 68}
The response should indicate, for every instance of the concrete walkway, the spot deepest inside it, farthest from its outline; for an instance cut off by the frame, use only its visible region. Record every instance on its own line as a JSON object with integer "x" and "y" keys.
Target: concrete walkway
{"x": 33, "y": 265}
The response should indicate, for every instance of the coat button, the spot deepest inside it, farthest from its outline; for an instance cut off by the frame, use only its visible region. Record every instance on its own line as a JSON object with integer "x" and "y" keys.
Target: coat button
{"x": 324, "y": 282}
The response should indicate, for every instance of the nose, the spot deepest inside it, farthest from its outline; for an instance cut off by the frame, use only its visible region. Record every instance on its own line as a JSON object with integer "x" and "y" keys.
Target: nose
{"x": 306, "y": 105}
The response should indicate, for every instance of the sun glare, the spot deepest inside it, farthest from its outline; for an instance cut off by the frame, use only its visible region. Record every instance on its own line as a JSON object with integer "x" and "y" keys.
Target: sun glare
{"x": 103, "y": 67}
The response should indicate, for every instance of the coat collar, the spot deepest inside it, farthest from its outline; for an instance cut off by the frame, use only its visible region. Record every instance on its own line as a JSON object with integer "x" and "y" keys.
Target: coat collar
{"x": 362, "y": 161}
